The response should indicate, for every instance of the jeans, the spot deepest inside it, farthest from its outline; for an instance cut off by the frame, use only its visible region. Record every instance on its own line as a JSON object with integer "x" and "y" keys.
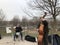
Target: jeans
{"x": 18, "y": 35}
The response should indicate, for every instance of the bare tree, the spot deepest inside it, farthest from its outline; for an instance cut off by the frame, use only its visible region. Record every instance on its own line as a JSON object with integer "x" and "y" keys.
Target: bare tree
{"x": 28, "y": 12}
{"x": 24, "y": 21}
{"x": 15, "y": 20}
{"x": 2, "y": 15}
{"x": 52, "y": 7}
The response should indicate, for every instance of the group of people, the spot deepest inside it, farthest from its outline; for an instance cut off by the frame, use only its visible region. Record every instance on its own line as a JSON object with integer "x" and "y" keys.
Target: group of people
{"x": 42, "y": 30}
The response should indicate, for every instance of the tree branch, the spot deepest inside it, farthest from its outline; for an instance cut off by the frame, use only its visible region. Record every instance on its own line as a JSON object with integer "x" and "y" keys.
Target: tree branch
{"x": 58, "y": 13}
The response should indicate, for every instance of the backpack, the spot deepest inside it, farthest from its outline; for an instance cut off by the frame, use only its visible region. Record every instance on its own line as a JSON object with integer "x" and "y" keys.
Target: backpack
{"x": 30, "y": 38}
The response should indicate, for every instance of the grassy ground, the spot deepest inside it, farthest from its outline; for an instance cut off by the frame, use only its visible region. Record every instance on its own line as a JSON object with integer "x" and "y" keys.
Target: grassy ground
{"x": 54, "y": 32}
{"x": 32, "y": 32}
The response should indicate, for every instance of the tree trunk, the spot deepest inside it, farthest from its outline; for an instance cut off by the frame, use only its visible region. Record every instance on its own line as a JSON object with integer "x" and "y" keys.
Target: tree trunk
{"x": 54, "y": 24}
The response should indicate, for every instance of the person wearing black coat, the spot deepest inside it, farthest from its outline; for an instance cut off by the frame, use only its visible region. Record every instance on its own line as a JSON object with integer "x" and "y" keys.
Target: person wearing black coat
{"x": 46, "y": 30}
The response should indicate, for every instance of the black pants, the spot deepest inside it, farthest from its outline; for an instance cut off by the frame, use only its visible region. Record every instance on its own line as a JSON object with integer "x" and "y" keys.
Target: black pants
{"x": 45, "y": 40}
{"x": 19, "y": 35}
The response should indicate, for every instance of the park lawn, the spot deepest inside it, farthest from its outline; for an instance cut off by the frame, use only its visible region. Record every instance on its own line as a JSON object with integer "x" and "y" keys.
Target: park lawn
{"x": 54, "y": 32}
{"x": 33, "y": 33}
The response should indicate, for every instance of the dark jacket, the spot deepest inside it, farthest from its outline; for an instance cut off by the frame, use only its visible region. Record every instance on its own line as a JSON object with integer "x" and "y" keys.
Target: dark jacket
{"x": 45, "y": 23}
{"x": 46, "y": 29}
{"x": 18, "y": 29}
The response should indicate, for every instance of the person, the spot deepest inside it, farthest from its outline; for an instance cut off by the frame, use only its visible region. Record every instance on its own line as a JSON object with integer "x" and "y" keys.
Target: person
{"x": 46, "y": 31}
{"x": 44, "y": 26}
{"x": 18, "y": 31}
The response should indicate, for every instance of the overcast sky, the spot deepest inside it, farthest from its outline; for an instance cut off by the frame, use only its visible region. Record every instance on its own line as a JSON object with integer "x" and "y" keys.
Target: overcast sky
{"x": 13, "y": 7}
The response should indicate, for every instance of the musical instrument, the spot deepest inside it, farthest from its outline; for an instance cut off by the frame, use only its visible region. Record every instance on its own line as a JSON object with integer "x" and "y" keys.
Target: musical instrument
{"x": 41, "y": 32}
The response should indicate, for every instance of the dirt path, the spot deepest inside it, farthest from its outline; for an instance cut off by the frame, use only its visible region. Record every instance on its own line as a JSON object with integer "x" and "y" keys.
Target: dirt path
{"x": 9, "y": 41}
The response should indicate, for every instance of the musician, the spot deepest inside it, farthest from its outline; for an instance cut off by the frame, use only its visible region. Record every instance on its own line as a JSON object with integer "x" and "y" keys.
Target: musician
{"x": 19, "y": 30}
{"x": 43, "y": 31}
{"x": 46, "y": 30}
